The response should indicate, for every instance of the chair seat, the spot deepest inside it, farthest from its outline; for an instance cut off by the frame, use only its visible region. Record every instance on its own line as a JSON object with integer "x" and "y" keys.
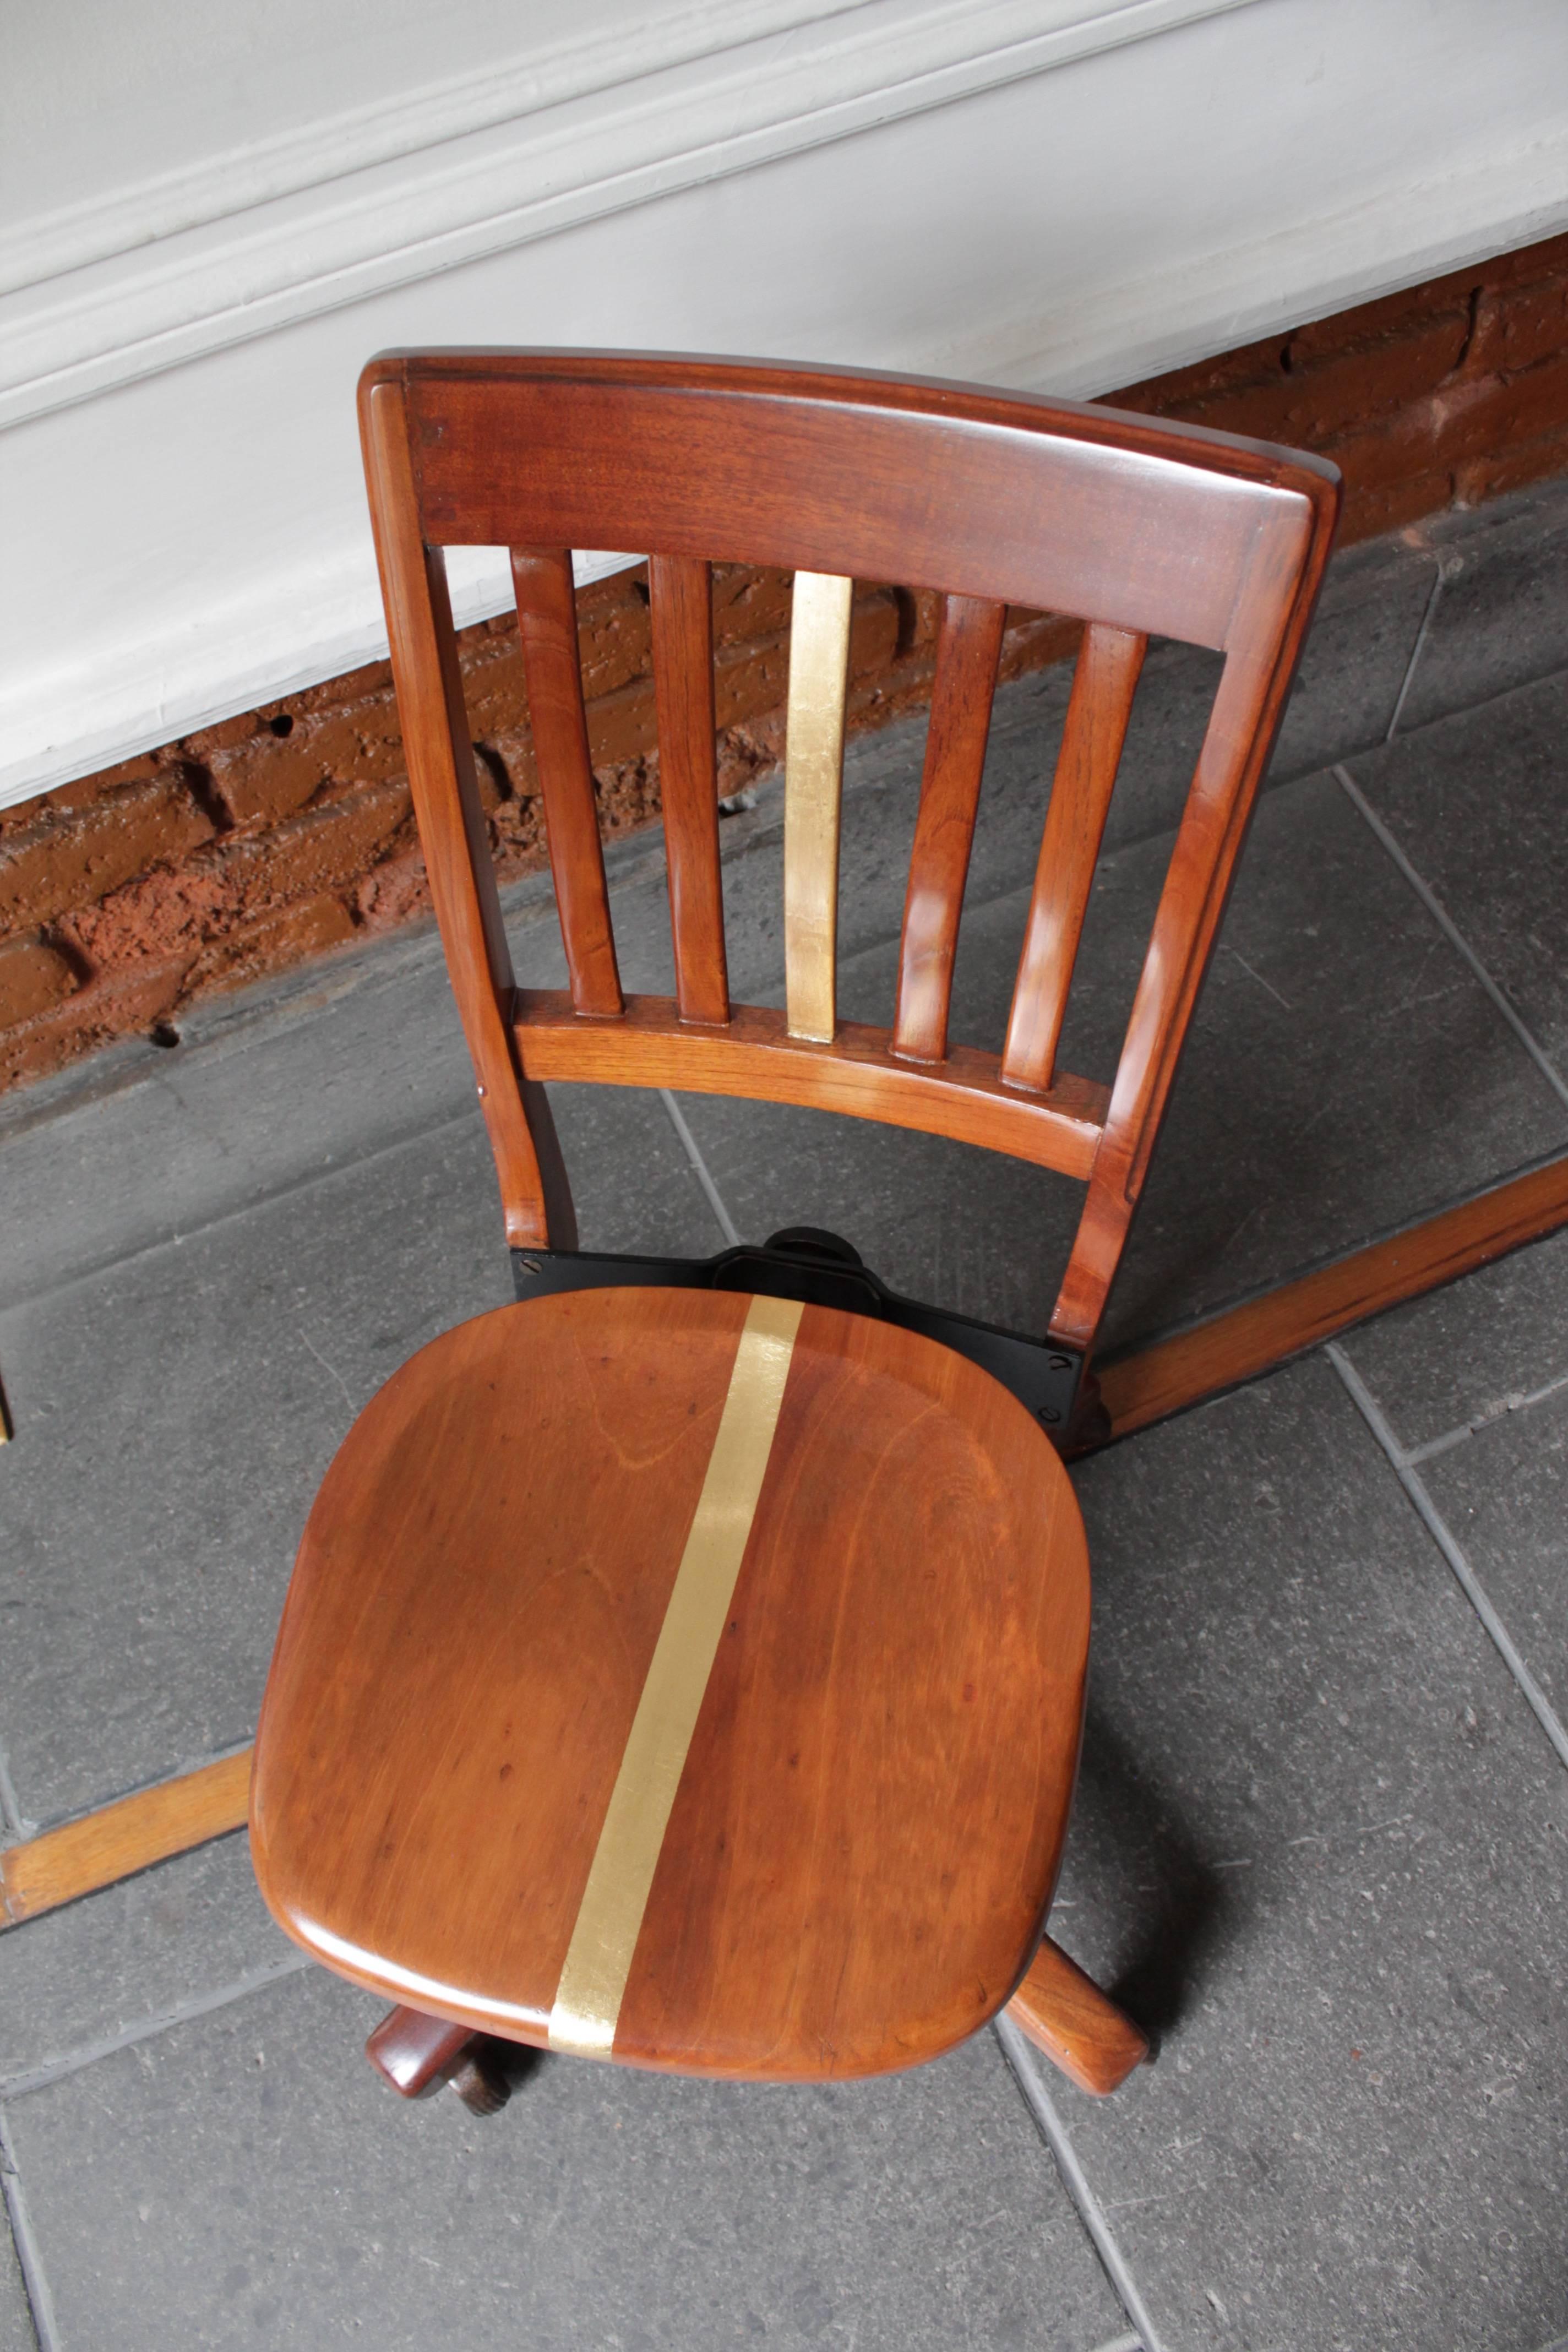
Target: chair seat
{"x": 683, "y": 1678}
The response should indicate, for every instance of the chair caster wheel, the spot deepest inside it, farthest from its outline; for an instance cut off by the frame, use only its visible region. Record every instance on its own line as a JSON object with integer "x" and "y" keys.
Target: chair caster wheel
{"x": 481, "y": 2081}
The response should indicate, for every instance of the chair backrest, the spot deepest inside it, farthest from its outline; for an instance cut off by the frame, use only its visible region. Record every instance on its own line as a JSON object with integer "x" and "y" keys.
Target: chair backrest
{"x": 1139, "y": 529}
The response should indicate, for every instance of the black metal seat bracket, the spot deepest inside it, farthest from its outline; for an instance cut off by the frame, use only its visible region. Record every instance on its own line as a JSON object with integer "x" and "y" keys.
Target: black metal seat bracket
{"x": 805, "y": 1263}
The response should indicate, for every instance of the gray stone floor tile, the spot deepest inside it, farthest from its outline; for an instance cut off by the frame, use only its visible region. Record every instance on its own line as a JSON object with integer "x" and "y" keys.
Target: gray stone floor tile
{"x": 1321, "y": 1846}
{"x": 174, "y": 1414}
{"x": 1379, "y": 1083}
{"x": 139, "y": 1950}
{"x": 1476, "y": 803}
{"x": 1468, "y": 1352}
{"x": 1503, "y": 617}
{"x": 1357, "y": 653}
{"x": 243, "y": 2179}
{"x": 16, "y": 2319}
{"x": 1503, "y": 1494}
{"x": 1345, "y": 1073}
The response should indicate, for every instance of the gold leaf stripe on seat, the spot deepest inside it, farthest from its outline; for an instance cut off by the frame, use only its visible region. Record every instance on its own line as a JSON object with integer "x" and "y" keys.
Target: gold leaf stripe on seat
{"x": 609, "y": 1917}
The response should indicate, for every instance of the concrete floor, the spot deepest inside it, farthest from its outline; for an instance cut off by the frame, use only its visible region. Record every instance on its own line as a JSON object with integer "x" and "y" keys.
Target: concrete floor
{"x": 1322, "y": 1837}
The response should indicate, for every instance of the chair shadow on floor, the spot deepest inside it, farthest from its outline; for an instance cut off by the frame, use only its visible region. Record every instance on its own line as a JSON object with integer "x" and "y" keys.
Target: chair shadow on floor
{"x": 1145, "y": 1867}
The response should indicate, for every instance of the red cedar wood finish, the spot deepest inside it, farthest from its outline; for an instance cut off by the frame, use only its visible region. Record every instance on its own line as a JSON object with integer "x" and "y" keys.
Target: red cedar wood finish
{"x": 754, "y": 1968}
{"x": 547, "y": 623}
{"x": 680, "y": 593}
{"x": 1140, "y": 1389}
{"x": 969, "y": 646}
{"x": 1109, "y": 664}
{"x": 1064, "y": 2013}
{"x": 857, "y": 1869}
{"x": 1136, "y": 527}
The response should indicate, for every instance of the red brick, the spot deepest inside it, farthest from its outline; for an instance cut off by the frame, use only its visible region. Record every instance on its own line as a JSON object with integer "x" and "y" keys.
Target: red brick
{"x": 287, "y": 935}
{"x": 32, "y": 976}
{"x": 116, "y": 1006}
{"x": 1512, "y": 468}
{"x": 322, "y": 849}
{"x": 64, "y": 861}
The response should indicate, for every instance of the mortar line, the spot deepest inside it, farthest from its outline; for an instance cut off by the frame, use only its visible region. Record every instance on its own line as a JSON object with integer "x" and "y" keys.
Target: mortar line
{"x": 1437, "y": 1528}
{"x": 1452, "y": 934}
{"x": 1445, "y": 564}
{"x": 690, "y": 1145}
{"x": 1509, "y": 1404}
{"x": 29, "y": 2255}
{"x": 1020, "y": 2057}
{"x": 176, "y": 1771}
{"x": 13, "y": 1821}
{"x": 197, "y": 2004}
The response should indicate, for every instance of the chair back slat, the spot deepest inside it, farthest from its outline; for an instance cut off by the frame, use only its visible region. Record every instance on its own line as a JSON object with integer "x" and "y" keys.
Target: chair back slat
{"x": 547, "y": 620}
{"x": 969, "y": 646}
{"x": 1247, "y": 706}
{"x": 680, "y": 593}
{"x": 1135, "y": 527}
{"x": 1109, "y": 662}
{"x": 814, "y": 782}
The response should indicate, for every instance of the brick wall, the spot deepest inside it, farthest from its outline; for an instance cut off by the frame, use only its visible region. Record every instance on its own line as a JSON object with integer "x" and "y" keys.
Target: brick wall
{"x": 287, "y": 831}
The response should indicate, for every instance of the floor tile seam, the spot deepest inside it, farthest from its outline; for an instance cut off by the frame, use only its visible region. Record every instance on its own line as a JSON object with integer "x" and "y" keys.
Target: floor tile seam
{"x": 25, "y": 2238}
{"x": 14, "y": 1822}
{"x": 1028, "y": 2075}
{"x": 1443, "y": 567}
{"x": 1452, "y": 934}
{"x": 1413, "y": 1455}
{"x": 182, "y": 1770}
{"x": 1188, "y": 1324}
{"x": 700, "y": 1169}
{"x": 1452, "y": 1550}
{"x": 147, "y": 2028}
{"x": 251, "y": 1207}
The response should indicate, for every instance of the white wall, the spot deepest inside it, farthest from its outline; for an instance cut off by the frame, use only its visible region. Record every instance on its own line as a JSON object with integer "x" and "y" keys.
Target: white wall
{"x": 212, "y": 215}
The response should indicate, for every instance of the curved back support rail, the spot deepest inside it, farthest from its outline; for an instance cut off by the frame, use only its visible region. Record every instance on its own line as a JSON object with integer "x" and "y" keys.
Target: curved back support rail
{"x": 1136, "y": 528}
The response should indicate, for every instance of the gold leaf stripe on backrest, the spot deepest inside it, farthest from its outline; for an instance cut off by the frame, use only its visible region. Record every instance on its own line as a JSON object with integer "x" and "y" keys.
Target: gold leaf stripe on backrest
{"x": 813, "y": 778}
{"x": 609, "y": 1917}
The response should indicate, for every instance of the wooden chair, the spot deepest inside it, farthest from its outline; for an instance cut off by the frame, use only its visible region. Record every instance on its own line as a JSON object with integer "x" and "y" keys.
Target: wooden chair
{"x": 685, "y": 1665}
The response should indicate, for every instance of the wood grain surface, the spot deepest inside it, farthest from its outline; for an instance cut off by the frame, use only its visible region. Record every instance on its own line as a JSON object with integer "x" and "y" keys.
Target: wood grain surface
{"x": 1166, "y": 1377}
{"x": 858, "y": 1072}
{"x": 126, "y": 1836}
{"x": 1109, "y": 662}
{"x": 863, "y": 1841}
{"x": 680, "y": 594}
{"x": 115, "y": 1841}
{"x": 1133, "y": 526}
{"x": 969, "y": 645}
{"x": 1064, "y": 2013}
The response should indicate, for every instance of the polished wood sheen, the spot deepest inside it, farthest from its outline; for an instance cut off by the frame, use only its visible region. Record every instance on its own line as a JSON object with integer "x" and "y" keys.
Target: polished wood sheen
{"x": 1109, "y": 663}
{"x": 416, "y": 2054}
{"x": 865, "y": 1830}
{"x": 1064, "y": 2013}
{"x": 547, "y": 622}
{"x": 1141, "y": 1389}
{"x": 128, "y": 1835}
{"x": 814, "y": 784}
{"x": 969, "y": 645}
{"x": 963, "y": 1096}
{"x": 1135, "y": 527}
{"x": 680, "y": 592}
{"x": 536, "y": 1204}
{"x": 1254, "y": 1337}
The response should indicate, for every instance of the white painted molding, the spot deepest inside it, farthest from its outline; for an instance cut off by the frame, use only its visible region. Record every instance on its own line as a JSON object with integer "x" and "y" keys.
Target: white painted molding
{"x": 1050, "y": 193}
{"x": 113, "y": 292}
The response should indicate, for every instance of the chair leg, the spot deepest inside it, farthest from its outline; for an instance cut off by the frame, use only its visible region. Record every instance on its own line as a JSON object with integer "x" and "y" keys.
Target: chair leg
{"x": 1064, "y": 2013}
{"x": 417, "y": 2054}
